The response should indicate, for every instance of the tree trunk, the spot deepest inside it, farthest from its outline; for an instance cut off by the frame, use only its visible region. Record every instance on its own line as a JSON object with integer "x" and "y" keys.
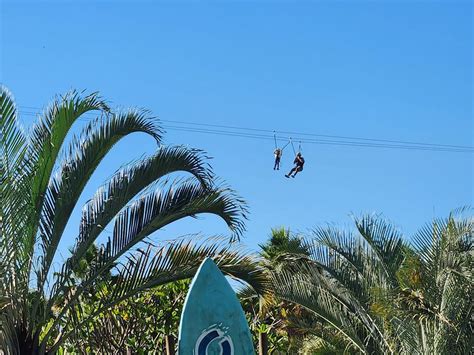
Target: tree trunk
{"x": 262, "y": 344}
{"x": 169, "y": 343}
{"x": 28, "y": 344}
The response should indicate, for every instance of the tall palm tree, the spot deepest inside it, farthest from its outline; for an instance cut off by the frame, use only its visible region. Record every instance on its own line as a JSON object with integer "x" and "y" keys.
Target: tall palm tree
{"x": 277, "y": 323}
{"x": 43, "y": 174}
{"x": 282, "y": 241}
{"x": 385, "y": 295}
{"x": 437, "y": 286}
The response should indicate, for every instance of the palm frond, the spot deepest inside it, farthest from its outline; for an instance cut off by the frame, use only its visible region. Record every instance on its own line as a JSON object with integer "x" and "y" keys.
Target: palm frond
{"x": 43, "y": 146}
{"x": 162, "y": 207}
{"x": 15, "y": 205}
{"x": 444, "y": 304}
{"x": 40, "y": 185}
{"x": 12, "y": 138}
{"x": 347, "y": 295}
{"x": 444, "y": 247}
{"x": 84, "y": 155}
{"x": 347, "y": 258}
{"x": 303, "y": 287}
{"x": 130, "y": 181}
{"x": 152, "y": 267}
{"x": 127, "y": 183}
{"x": 152, "y": 212}
{"x": 48, "y": 135}
{"x": 354, "y": 272}
{"x": 385, "y": 241}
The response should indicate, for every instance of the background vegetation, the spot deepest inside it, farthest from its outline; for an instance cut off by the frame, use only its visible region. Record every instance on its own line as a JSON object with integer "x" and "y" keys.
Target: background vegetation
{"x": 369, "y": 290}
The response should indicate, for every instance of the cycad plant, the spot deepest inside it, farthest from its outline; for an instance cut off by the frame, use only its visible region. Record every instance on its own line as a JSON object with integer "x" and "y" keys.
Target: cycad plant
{"x": 281, "y": 326}
{"x": 437, "y": 286}
{"x": 386, "y": 295}
{"x": 43, "y": 173}
{"x": 281, "y": 242}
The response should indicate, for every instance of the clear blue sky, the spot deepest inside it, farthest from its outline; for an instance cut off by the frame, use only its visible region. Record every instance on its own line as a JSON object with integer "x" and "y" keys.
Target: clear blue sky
{"x": 390, "y": 70}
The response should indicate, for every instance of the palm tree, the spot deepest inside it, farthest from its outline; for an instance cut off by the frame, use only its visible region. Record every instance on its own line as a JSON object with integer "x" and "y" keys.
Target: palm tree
{"x": 437, "y": 286}
{"x": 43, "y": 174}
{"x": 278, "y": 323}
{"x": 282, "y": 241}
{"x": 384, "y": 295}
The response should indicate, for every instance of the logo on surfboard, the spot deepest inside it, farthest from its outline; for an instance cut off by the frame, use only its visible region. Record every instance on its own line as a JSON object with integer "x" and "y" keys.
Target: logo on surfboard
{"x": 214, "y": 336}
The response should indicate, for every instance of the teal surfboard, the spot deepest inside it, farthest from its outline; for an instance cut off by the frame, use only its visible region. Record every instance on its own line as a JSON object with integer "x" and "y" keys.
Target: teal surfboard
{"x": 213, "y": 322}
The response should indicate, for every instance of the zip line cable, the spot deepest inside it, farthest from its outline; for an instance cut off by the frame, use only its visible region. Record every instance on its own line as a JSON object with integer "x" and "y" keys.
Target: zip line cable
{"x": 245, "y": 132}
{"x": 301, "y": 133}
{"x": 293, "y": 146}
{"x": 313, "y": 141}
{"x": 318, "y": 135}
{"x": 283, "y": 148}
{"x": 296, "y": 133}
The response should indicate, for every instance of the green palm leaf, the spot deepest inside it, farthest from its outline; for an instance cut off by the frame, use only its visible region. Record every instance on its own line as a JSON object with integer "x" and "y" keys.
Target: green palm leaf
{"x": 444, "y": 304}
{"x": 14, "y": 212}
{"x": 12, "y": 139}
{"x": 84, "y": 155}
{"x": 301, "y": 285}
{"x": 124, "y": 185}
{"x": 156, "y": 266}
{"x": 49, "y": 133}
{"x": 37, "y": 202}
{"x": 164, "y": 206}
{"x": 130, "y": 181}
{"x": 383, "y": 294}
{"x": 150, "y": 213}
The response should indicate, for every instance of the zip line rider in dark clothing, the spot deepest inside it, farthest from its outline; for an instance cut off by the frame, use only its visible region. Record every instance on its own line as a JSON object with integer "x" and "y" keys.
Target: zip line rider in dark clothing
{"x": 299, "y": 163}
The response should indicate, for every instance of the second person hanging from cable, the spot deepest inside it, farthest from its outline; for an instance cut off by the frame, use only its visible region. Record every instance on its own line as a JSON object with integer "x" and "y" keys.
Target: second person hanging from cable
{"x": 278, "y": 152}
{"x": 299, "y": 163}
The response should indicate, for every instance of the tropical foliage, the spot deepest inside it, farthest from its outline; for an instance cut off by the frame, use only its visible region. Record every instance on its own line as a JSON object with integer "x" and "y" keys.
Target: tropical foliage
{"x": 140, "y": 324}
{"x": 43, "y": 174}
{"x": 368, "y": 291}
{"x": 381, "y": 294}
{"x": 280, "y": 324}
{"x": 280, "y": 243}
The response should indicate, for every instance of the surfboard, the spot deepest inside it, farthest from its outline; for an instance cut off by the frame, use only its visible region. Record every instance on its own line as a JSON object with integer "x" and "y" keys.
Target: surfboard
{"x": 213, "y": 322}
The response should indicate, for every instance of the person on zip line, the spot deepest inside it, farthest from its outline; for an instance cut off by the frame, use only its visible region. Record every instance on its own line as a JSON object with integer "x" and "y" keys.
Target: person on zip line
{"x": 278, "y": 153}
{"x": 299, "y": 163}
